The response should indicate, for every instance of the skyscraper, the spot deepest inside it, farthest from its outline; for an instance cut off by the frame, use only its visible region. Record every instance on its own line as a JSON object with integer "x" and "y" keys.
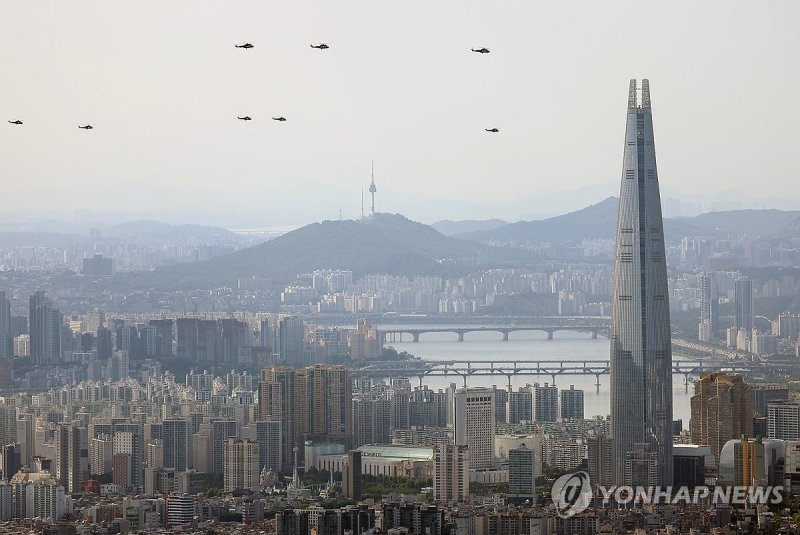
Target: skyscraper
{"x": 722, "y": 410}
{"x": 45, "y": 330}
{"x": 241, "y": 464}
{"x": 571, "y": 404}
{"x": 6, "y": 339}
{"x": 291, "y": 340}
{"x": 641, "y": 352}
{"x": 450, "y": 473}
{"x": 522, "y": 473}
{"x": 743, "y": 305}
{"x": 175, "y": 436}
{"x": 545, "y": 403}
{"x": 474, "y": 423}
{"x": 709, "y": 308}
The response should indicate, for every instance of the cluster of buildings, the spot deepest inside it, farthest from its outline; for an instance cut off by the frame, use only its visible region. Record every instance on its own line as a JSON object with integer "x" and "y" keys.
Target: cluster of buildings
{"x": 50, "y": 339}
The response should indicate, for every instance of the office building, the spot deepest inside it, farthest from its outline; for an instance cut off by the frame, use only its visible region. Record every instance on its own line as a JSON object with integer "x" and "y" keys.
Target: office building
{"x": 766, "y": 393}
{"x": 689, "y": 464}
{"x": 571, "y": 404}
{"x": 351, "y": 475}
{"x": 474, "y": 424}
{"x": 180, "y": 509}
{"x": 721, "y": 410}
{"x": 783, "y": 420}
{"x": 522, "y": 473}
{"x": 641, "y": 353}
{"x": 292, "y": 341}
{"x": 98, "y": 266}
{"x": 450, "y": 473}
{"x": 12, "y": 460}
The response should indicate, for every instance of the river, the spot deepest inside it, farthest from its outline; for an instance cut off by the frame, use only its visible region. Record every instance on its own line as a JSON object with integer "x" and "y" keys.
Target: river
{"x": 531, "y": 345}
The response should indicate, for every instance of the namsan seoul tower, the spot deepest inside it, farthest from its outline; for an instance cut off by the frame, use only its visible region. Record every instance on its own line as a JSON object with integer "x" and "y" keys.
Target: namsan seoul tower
{"x": 641, "y": 351}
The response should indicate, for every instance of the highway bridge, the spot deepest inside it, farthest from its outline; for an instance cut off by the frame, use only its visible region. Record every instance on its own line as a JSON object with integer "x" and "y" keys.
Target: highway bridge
{"x": 555, "y": 368}
{"x": 395, "y": 334}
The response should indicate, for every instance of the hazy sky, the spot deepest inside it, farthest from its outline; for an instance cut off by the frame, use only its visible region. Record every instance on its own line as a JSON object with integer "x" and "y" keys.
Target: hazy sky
{"x": 162, "y": 84}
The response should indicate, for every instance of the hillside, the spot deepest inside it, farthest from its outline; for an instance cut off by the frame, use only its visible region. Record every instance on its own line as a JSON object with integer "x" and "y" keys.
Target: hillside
{"x": 595, "y": 221}
{"x": 791, "y": 231}
{"x": 599, "y": 221}
{"x": 387, "y": 243}
{"x": 451, "y": 228}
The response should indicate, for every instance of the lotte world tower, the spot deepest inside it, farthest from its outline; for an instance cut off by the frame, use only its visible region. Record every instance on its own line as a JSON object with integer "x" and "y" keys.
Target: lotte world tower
{"x": 641, "y": 353}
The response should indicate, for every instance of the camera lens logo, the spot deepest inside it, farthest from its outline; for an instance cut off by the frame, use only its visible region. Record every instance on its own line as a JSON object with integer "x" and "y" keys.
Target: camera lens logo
{"x": 571, "y": 494}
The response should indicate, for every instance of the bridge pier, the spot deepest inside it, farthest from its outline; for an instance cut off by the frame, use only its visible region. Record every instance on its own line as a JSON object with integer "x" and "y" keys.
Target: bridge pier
{"x": 549, "y": 335}
{"x": 553, "y": 377}
{"x": 465, "y": 381}
{"x": 416, "y": 336}
{"x": 505, "y": 336}
{"x": 460, "y": 336}
{"x": 422, "y": 376}
{"x": 594, "y": 334}
{"x": 597, "y": 382}
{"x": 686, "y": 381}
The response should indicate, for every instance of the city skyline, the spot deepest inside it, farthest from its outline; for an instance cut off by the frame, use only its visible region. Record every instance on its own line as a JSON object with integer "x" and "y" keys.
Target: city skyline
{"x": 377, "y": 93}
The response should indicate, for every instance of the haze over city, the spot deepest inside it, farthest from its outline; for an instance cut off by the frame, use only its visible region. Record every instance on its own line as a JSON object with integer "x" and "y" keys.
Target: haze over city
{"x": 162, "y": 84}
{"x": 406, "y": 268}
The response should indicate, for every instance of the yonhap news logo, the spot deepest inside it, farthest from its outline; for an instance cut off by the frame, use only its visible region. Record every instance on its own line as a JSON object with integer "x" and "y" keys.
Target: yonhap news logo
{"x": 571, "y": 494}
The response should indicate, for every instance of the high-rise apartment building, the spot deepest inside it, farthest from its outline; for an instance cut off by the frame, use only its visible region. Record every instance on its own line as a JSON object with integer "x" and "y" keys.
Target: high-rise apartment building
{"x": 520, "y": 405}
{"x": 175, "y": 438}
{"x": 743, "y": 305}
{"x": 45, "y": 330}
{"x": 545, "y": 402}
{"x": 474, "y": 424}
{"x": 641, "y": 352}
{"x": 721, "y": 410}
{"x": 6, "y": 338}
{"x": 571, "y": 404}
{"x": 277, "y": 403}
{"x": 241, "y": 460}
{"x": 221, "y": 431}
{"x": 313, "y": 403}
{"x": 450, "y": 473}
{"x": 709, "y": 308}
{"x": 600, "y": 460}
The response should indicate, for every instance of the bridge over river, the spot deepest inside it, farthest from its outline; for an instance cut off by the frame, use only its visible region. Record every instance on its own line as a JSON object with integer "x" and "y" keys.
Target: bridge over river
{"x": 395, "y": 334}
{"x": 555, "y": 368}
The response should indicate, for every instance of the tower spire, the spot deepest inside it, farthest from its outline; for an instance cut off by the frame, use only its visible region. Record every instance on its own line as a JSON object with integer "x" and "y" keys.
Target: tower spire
{"x": 372, "y": 188}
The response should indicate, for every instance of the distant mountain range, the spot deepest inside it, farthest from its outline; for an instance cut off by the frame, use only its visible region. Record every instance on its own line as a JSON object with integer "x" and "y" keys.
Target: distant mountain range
{"x": 59, "y": 234}
{"x": 155, "y": 230}
{"x": 598, "y": 221}
{"x": 384, "y": 243}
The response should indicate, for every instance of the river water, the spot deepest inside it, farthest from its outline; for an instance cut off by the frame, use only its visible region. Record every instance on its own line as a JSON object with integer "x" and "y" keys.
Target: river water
{"x": 531, "y": 345}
